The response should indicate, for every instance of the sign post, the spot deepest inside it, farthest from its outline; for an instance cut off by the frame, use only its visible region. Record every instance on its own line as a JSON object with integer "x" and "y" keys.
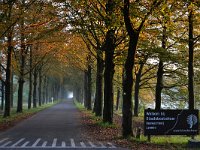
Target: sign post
{"x": 171, "y": 122}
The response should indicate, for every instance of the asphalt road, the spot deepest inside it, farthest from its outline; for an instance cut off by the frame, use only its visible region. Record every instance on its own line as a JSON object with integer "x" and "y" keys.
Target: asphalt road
{"x": 57, "y": 127}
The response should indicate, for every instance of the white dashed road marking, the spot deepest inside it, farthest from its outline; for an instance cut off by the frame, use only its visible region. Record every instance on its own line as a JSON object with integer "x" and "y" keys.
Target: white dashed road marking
{"x": 36, "y": 142}
{"x": 91, "y": 144}
{"x": 5, "y": 144}
{"x": 25, "y": 144}
{"x": 3, "y": 140}
{"x": 102, "y": 145}
{"x": 83, "y": 145}
{"x": 54, "y": 142}
{"x": 39, "y": 143}
{"x": 72, "y": 143}
{"x": 63, "y": 144}
{"x": 44, "y": 144}
{"x": 15, "y": 144}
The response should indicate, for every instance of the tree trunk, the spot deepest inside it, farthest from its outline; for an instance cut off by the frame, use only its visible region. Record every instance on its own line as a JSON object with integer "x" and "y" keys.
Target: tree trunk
{"x": 160, "y": 72}
{"x": 159, "y": 85}
{"x": 30, "y": 80}
{"x": 118, "y": 99}
{"x": 8, "y": 76}
{"x": 2, "y": 95}
{"x": 108, "y": 76}
{"x": 128, "y": 74}
{"x": 89, "y": 88}
{"x": 35, "y": 88}
{"x": 11, "y": 90}
{"x": 137, "y": 89}
{"x": 22, "y": 58}
{"x": 21, "y": 76}
{"x": 85, "y": 88}
{"x": 2, "y": 88}
{"x": 20, "y": 95}
{"x": 99, "y": 84}
{"x": 47, "y": 90}
{"x": 127, "y": 87}
{"x": 44, "y": 90}
{"x": 40, "y": 87}
{"x": 129, "y": 64}
{"x": 190, "y": 62}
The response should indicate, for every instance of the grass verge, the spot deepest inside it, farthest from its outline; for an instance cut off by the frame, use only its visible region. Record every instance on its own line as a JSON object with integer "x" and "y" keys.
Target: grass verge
{"x": 98, "y": 120}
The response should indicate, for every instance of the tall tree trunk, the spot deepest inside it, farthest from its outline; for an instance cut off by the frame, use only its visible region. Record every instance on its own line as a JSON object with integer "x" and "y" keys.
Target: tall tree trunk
{"x": 190, "y": 62}
{"x": 2, "y": 95}
{"x": 118, "y": 98}
{"x": 40, "y": 87}
{"x": 20, "y": 95}
{"x": 109, "y": 48}
{"x": 47, "y": 90}
{"x": 127, "y": 87}
{"x": 2, "y": 87}
{"x": 89, "y": 88}
{"x": 21, "y": 77}
{"x": 137, "y": 89}
{"x": 8, "y": 76}
{"x": 35, "y": 88}
{"x": 22, "y": 64}
{"x": 30, "y": 79}
{"x": 108, "y": 76}
{"x": 44, "y": 90}
{"x": 128, "y": 73}
{"x": 99, "y": 84}
{"x": 11, "y": 90}
{"x": 160, "y": 72}
{"x": 85, "y": 88}
{"x": 129, "y": 64}
{"x": 159, "y": 85}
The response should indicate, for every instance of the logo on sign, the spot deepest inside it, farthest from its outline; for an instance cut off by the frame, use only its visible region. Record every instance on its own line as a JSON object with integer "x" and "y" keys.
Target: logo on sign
{"x": 192, "y": 120}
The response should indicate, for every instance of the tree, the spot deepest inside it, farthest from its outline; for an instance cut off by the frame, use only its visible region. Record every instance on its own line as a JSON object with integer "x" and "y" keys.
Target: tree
{"x": 109, "y": 47}
{"x": 133, "y": 33}
{"x": 30, "y": 78}
{"x": 191, "y": 55}
{"x": 23, "y": 52}
{"x": 9, "y": 34}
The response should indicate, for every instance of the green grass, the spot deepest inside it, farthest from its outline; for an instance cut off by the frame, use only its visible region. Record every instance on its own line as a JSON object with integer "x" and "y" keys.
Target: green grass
{"x": 176, "y": 141}
{"x": 98, "y": 120}
{"x": 105, "y": 124}
{"x": 14, "y": 117}
{"x": 79, "y": 105}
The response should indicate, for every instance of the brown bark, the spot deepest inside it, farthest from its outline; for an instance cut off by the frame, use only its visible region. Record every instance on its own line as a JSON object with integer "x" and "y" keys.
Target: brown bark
{"x": 109, "y": 48}
{"x": 118, "y": 99}
{"x": 40, "y": 87}
{"x": 30, "y": 80}
{"x": 85, "y": 88}
{"x": 8, "y": 76}
{"x": 2, "y": 95}
{"x": 89, "y": 84}
{"x": 191, "y": 59}
{"x": 160, "y": 72}
{"x": 108, "y": 77}
{"x": 128, "y": 76}
{"x": 99, "y": 84}
{"x": 35, "y": 88}
{"x": 137, "y": 89}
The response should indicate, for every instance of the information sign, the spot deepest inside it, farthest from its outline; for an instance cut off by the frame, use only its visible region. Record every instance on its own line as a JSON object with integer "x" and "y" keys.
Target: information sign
{"x": 171, "y": 122}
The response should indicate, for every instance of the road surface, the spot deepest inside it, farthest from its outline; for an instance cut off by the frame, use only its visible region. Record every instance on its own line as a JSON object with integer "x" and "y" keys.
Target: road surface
{"x": 57, "y": 127}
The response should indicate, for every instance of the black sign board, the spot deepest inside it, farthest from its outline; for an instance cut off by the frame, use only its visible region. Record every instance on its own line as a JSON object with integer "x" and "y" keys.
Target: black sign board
{"x": 171, "y": 122}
